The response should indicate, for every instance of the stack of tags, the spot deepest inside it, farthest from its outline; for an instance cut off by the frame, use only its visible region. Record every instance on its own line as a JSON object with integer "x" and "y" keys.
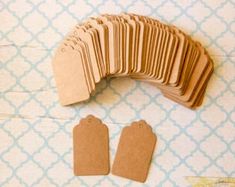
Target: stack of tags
{"x": 136, "y": 46}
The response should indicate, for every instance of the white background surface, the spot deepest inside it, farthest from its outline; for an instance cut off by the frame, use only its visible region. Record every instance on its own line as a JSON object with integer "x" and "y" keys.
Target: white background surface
{"x": 35, "y": 131}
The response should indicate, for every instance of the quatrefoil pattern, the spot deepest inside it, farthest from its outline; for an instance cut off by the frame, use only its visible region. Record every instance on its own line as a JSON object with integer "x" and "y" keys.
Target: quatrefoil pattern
{"x": 35, "y": 131}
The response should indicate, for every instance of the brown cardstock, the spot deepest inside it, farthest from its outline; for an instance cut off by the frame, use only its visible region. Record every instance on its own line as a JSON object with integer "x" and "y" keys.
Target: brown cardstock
{"x": 70, "y": 76}
{"x": 134, "y": 153}
{"x": 130, "y": 45}
{"x": 91, "y": 147}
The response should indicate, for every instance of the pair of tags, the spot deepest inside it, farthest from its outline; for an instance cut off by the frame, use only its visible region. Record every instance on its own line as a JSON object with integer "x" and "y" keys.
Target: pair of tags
{"x": 136, "y": 46}
{"x": 91, "y": 149}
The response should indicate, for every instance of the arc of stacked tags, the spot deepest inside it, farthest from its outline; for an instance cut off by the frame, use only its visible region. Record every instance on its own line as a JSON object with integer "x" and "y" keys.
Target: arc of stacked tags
{"x": 136, "y": 46}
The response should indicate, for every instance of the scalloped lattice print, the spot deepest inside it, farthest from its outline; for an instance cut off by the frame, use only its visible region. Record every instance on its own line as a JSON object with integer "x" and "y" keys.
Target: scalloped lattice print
{"x": 35, "y": 131}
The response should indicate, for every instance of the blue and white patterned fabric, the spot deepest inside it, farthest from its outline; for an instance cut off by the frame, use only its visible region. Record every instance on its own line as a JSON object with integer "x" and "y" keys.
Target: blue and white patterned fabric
{"x": 35, "y": 131}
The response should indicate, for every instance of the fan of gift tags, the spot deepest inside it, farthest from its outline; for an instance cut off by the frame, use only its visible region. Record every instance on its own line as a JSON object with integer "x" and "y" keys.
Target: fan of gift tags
{"x": 133, "y": 156}
{"x": 136, "y": 46}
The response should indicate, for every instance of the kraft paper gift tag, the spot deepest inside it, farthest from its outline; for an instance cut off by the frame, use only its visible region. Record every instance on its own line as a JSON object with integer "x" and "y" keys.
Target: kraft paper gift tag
{"x": 70, "y": 76}
{"x": 91, "y": 147}
{"x": 134, "y": 153}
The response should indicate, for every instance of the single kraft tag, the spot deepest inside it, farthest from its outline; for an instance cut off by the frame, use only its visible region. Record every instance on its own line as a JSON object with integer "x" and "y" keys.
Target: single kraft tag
{"x": 70, "y": 76}
{"x": 91, "y": 147}
{"x": 135, "y": 151}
